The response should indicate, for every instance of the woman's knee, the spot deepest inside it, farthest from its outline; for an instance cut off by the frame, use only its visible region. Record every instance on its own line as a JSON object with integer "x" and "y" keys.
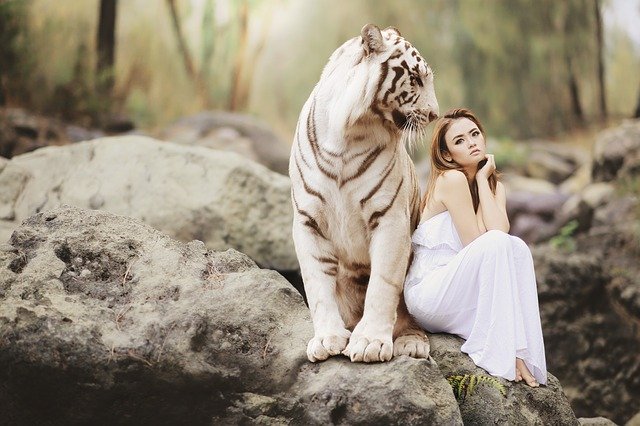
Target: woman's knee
{"x": 520, "y": 247}
{"x": 495, "y": 239}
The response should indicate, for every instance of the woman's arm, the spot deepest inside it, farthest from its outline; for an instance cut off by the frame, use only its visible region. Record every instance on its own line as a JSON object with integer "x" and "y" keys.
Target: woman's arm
{"x": 452, "y": 189}
{"x": 481, "y": 224}
{"x": 494, "y": 207}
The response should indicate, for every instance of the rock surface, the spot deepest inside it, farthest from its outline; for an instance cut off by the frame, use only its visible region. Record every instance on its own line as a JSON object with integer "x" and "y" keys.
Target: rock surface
{"x": 595, "y": 421}
{"x": 22, "y": 131}
{"x": 104, "y": 317}
{"x": 591, "y": 343}
{"x": 188, "y": 192}
{"x": 617, "y": 152}
{"x": 229, "y": 131}
{"x": 545, "y": 405}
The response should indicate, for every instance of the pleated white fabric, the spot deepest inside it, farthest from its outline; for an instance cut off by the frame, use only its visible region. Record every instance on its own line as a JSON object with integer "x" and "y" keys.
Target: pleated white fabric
{"x": 484, "y": 292}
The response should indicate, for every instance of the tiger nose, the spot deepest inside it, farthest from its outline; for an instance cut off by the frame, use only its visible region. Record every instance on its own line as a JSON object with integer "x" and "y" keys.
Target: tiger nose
{"x": 432, "y": 116}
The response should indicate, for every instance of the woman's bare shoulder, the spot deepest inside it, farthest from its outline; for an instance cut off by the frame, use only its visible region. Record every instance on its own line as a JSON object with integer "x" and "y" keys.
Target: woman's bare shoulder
{"x": 451, "y": 180}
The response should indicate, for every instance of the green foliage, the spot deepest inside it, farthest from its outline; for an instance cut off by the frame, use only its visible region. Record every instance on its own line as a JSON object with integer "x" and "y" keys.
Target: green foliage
{"x": 508, "y": 60}
{"x": 515, "y": 57}
{"x": 464, "y": 385}
{"x": 13, "y": 61}
{"x": 508, "y": 154}
{"x": 629, "y": 185}
{"x": 564, "y": 240}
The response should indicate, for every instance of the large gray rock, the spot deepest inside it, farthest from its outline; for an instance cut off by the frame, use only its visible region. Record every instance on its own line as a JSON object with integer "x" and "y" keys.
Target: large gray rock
{"x": 591, "y": 343}
{"x": 103, "y": 317}
{"x": 533, "y": 215}
{"x": 21, "y": 132}
{"x": 532, "y": 228}
{"x": 595, "y": 421}
{"x": 634, "y": 421}
{"x": 617, "y": 152}
{"x": 522, "y": 405}
{"x": 229, "y": 131}
{"x": 190, "y": 193}
{"x": 13, "y": 178}
{"x": 547, "y": 165}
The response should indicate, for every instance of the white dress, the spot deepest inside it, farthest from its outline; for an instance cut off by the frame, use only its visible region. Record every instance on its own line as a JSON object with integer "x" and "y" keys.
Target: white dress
{"x": 484, "y": 292}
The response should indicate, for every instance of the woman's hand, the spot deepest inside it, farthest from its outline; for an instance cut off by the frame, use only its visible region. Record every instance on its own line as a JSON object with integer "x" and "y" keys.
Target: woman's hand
{"x": 489, "y": 167}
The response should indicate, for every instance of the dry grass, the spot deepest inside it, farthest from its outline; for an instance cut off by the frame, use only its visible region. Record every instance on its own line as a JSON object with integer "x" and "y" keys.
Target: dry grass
{"x": 120, "y": 315}
{"x": 264, "y": 351}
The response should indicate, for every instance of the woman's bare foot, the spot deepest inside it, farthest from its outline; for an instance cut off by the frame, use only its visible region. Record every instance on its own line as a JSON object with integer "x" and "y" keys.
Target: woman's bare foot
{"x": 523, "y": 373}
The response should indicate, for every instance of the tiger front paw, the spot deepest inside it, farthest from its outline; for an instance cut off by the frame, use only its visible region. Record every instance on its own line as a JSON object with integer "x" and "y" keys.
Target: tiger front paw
{"x": 363, "y": 349}
{"x": 414, "y": 345}
{"x": 322, "y": 347}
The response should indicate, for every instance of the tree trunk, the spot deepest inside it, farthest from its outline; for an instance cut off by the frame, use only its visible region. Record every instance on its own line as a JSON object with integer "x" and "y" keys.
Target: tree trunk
{"x": 637, "y": 113}
{"x": 600, "y": 50}
{"x": 576, "y": 107}
{"x": 235, "y": 100}
{"x": 195, "y": 76}
{"x": 242, "y": 87}
{"x": 106, "y": 46}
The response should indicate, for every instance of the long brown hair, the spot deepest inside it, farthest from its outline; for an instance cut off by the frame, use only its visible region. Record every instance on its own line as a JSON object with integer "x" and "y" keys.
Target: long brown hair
{"x": 440, "y": 165}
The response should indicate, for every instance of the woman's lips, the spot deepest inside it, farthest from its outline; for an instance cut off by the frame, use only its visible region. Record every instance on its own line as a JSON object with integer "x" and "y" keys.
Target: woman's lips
{"x": 475, "y": 151}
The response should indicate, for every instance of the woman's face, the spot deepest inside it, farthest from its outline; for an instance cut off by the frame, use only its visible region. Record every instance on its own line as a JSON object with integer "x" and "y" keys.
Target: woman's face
{"x": 465, "y": 143}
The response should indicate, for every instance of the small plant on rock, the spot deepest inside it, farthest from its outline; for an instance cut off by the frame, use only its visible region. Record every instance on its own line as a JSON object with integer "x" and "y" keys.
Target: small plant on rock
{"x": 464, "y": 385}
{"x": 564, "y": 240}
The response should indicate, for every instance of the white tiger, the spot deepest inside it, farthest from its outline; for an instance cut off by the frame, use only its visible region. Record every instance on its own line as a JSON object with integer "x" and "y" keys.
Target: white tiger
{"x": 356, "y": 198}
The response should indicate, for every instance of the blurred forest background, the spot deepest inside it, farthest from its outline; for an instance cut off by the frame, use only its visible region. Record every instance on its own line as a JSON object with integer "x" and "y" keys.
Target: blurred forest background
{"x": 528, "y": 68}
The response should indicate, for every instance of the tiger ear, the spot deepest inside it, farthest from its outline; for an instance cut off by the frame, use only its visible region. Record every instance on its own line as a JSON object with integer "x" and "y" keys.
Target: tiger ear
{"x": 393, "y": 30}
{"x": 372, "y": 39}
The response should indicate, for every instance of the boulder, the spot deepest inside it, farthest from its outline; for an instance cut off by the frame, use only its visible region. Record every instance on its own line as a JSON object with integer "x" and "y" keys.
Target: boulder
{"x": 591, "y": 344}
{"x": 486, "y": 405}
{"x": 634, "y": 421}
{"x": 597, "y": 194}
{"x": 229, "y": 131}
{"x": 576, "y": 182}
{"x": 617, "y": 152}
{"x": 532, "y": 228}
{"x": 103, "y": 317}
{"x": 22, "y": 131}
{"x": 533, "y": 215}
{"x": 516, "y": 183}
{"x": 13, "y": 179}
{"x": 549, "y": 166}
{"x": 620, "y": 212}
{"x": 582, "y": 206}
{"x": 545, "y": 205}
{"x": 188, "y": 192}
{"x": 595, "y": 421}
{"x": 575, "y": 208}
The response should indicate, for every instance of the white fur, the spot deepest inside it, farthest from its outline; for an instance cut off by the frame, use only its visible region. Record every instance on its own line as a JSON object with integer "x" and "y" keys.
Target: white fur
{"x": 343, "y": 99}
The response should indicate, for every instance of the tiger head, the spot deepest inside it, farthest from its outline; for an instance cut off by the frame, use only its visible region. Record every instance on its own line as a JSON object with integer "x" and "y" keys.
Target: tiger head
{"x": 403, "y": 91}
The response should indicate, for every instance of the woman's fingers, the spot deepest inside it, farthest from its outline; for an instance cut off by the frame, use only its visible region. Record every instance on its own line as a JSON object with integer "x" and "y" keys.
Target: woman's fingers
{"x": 491, "y": 162}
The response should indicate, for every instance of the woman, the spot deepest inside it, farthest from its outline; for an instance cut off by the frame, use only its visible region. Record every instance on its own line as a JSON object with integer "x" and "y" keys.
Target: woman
{"x": 468, "y": 276}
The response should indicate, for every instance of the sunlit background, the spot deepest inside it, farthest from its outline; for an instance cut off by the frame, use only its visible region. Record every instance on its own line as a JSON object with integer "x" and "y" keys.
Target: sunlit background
{"x": 528, "y": 68}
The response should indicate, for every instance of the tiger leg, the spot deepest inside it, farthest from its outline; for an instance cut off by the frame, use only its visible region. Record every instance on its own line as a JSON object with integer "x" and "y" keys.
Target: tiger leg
{"x": 409, "y": 338}
{"x": 319, "y": 277}
{"x": 372, "y": 339}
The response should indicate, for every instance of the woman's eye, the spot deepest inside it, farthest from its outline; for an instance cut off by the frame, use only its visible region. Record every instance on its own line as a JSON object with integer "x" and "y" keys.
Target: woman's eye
{"x": 476, "y": 133}
{"x": 459, "y": 141}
